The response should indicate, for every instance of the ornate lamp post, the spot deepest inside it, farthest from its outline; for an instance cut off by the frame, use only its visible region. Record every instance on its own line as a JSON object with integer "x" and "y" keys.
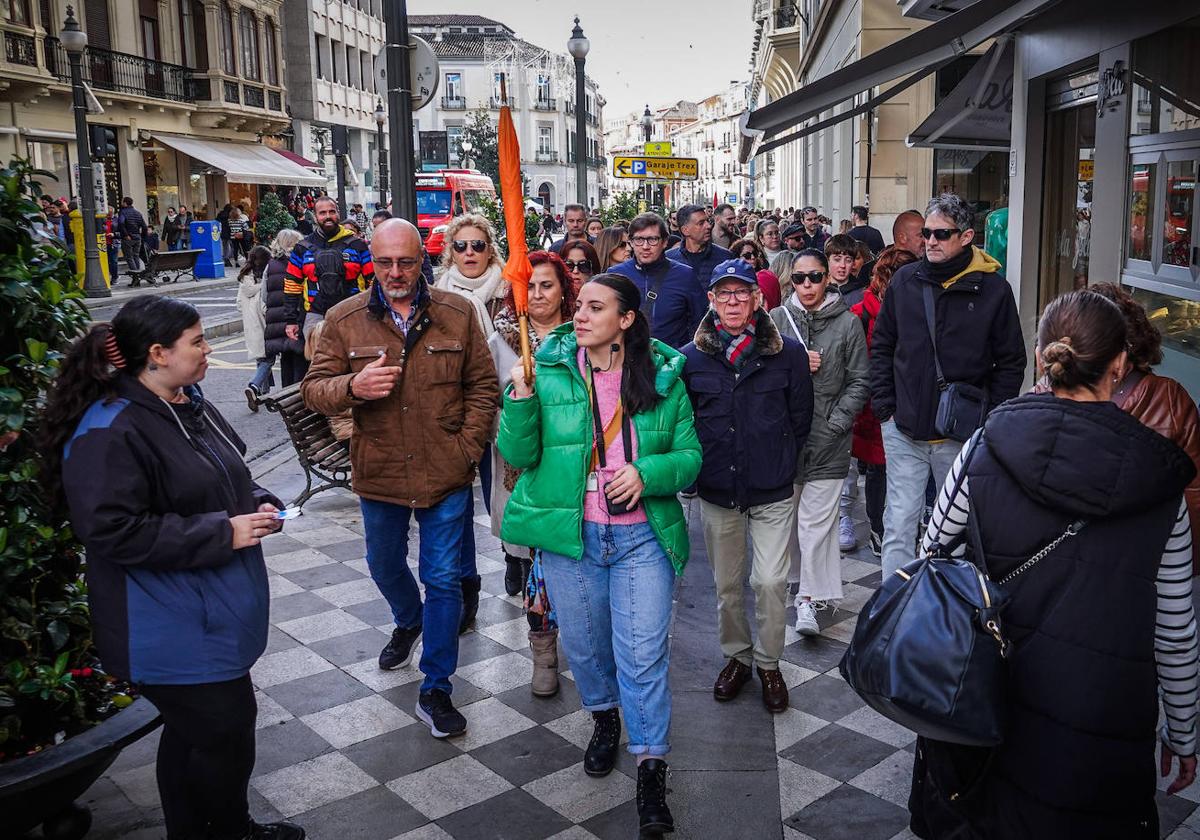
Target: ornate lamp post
{"x": 648, "y": 130}
{"x": 74, "y": 41}
{"x": 578, "y": 47}
{"x": 465, "y": 158}
{"x": 382, "y": 175}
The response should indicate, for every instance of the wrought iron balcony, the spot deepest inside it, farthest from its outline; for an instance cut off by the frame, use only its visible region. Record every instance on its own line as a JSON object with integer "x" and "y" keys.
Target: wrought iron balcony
{"x": 786, "y": 16}
{"x": 546, "y": 157}
{"x": 253, "y": 96}
{"x": 454, "y": 103}
{"x": 121, "y": 72}
{"x": 495, "y": 102}
{"x": 545, "y": 104}
{"x": 20, "y": 49}
{"x": 232, "y": 95}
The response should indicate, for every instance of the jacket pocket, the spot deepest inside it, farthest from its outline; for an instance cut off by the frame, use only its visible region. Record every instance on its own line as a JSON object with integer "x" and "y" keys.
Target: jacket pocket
{"x": 770, "y": 397}
{"x": 445, "y": 359}
{"x": 363, "y": 354}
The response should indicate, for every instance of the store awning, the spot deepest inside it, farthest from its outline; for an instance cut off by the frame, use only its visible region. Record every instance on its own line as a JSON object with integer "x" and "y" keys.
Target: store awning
{"x": 915, "y": 55}
{"x": 243, "y": 162}
{"x": 299, "y": 160}
{"x": 978, "y": 112}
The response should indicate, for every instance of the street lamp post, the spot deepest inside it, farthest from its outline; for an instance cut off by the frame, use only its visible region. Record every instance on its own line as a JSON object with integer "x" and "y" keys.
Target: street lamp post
{"x": 399, "y": 98}
{"x": 648, "y": 131}
{"x": 381, "y": 154}
{"x": 74, "y": 41}
{"x": 578, "y": 47}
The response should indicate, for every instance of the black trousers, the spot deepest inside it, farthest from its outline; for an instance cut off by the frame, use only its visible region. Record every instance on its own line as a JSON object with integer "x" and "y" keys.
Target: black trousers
{"x": 292, "y": 367}
{"x": 205, "y": 757}
{"x": 875, "y": 490}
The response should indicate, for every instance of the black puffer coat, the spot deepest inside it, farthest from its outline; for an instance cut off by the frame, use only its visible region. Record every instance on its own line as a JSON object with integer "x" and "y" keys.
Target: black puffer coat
{"x": 276, "y": 317}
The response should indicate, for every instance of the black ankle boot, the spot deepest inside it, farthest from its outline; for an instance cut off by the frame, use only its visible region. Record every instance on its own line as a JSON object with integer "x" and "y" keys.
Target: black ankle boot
{"x": 470, "y": 594}
{"x": 601, "y": 754}
{"x": 514, "y": 583}
{"x": 653, "y": 813}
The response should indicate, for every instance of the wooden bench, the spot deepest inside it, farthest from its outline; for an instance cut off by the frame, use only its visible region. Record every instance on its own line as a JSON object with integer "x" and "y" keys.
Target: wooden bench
{"x": 171, "y": 265}
{"x": 321, "y": 454}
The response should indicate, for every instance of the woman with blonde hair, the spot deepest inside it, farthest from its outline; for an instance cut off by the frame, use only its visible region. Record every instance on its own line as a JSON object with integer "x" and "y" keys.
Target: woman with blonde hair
{"x": 471, "y": 266}
{"x": 612, "y": 247}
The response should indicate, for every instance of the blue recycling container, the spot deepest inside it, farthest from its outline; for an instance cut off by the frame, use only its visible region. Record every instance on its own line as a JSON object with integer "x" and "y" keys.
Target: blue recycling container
{"x": 206, "y": 237}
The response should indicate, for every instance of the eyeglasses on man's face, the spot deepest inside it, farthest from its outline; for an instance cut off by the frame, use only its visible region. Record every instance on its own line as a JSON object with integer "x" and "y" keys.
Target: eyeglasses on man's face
{"x": 477, "y": 245}
{"x": 940, "y": 234}
{"x": 726, "y": 295}
{"x": 386, "y": 264}
{"x": 645, "y": 240}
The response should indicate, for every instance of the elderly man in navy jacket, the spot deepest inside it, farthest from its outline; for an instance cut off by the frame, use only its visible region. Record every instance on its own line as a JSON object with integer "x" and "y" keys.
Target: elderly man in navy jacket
{"x": 753, "y": 399}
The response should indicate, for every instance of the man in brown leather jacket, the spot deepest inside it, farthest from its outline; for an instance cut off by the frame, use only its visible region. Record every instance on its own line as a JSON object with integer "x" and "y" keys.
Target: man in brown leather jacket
{"x": 412, "y": 365}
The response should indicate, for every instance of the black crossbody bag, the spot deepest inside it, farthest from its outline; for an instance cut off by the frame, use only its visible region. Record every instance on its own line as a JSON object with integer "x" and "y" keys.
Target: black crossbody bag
{"x": 614, "y": 508}
{"x": 961, "y": 405}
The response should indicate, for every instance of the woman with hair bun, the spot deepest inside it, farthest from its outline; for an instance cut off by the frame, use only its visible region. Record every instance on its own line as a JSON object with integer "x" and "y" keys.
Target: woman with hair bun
{"x": 613, "y": 535}
{"x": 1099, "y": 625}
{"x": 157, "y": 491}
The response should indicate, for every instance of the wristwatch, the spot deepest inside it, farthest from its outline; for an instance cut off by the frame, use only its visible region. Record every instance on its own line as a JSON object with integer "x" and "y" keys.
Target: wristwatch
{"x": 350, "y": 387}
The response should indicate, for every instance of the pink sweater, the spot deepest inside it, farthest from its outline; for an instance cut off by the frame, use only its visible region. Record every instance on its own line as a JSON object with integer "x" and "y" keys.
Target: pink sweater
{"x": 608, "y": 391}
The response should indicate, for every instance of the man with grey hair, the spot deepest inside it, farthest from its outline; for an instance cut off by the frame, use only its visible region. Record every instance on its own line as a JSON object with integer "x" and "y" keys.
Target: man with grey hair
{"x": 978, "y": 334}
{"x": 411, "y": 364}
{"x": 575, "y": 221}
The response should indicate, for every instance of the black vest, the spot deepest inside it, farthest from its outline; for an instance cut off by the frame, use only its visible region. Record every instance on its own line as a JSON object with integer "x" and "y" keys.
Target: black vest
{"x": 1078, "y": 758}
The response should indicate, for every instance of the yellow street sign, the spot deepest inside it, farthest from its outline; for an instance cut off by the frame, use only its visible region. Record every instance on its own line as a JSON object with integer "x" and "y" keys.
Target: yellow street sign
{"x": 666, "y": 168}
{"x": 659, "y": 148}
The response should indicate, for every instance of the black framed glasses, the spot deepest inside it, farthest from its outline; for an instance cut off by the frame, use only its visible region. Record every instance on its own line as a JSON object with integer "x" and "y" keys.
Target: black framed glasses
{"x": 748, "y": 256}
{"x": 940, "y": 234}
{"x": 578, "y": 265}
{"x": 477, "y": 245}
{"x": 804, "y": 278}
{"x": 646, "y": 240}
{"x": 726, "y": 295}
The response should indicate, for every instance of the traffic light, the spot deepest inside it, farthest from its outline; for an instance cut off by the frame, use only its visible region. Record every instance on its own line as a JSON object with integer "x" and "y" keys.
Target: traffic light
{"x": 104, "y": 141}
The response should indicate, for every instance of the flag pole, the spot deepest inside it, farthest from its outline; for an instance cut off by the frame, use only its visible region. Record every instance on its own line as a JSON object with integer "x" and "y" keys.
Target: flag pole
{"x": 517, "y": 269}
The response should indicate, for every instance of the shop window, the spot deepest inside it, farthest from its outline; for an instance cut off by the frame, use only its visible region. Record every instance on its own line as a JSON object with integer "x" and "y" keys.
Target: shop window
{"x": 1166, "y": 80}
{"x": 1141, "y": 209}
{"x": 53, "y": 158}
{"x": 1177, "y": 212}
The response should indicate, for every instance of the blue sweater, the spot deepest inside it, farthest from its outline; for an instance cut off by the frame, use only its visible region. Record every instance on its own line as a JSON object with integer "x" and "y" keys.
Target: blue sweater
{"x": 680, "y": 304}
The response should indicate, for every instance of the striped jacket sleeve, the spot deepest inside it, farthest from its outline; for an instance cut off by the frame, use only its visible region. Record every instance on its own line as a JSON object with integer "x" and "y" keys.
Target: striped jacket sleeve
{"x": 293, "y": 285}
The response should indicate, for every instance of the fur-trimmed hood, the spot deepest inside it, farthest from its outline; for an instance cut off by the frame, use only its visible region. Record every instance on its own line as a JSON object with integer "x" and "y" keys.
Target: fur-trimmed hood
{"x": 767, "y": 340}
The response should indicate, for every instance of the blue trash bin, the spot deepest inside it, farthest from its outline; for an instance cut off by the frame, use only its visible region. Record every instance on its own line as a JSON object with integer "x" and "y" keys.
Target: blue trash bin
{"x": 206, "y": 238}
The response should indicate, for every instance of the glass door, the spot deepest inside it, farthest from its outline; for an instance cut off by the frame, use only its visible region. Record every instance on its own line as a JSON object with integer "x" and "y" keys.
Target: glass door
{"x": 1067, "y": 214}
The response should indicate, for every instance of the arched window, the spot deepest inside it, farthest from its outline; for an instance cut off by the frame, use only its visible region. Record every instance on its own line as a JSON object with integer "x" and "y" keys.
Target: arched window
{"x": 248, "y": 39}
{"x": 228, "y": 59}
{"x": 271, "y": 59}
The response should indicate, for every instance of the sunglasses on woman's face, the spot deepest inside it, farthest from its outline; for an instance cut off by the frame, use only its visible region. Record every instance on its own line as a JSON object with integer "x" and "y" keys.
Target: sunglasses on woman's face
{"x": 477, "y": 245}
{"x": 746, "y": 255}
{"x": 578, "y": 265}
{"x": 804, "y": 278}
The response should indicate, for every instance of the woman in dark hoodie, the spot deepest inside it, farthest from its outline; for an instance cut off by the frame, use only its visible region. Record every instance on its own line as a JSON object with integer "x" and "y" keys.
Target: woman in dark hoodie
{"x": 1099, "y": 626}
{"x": 156, "y": 489}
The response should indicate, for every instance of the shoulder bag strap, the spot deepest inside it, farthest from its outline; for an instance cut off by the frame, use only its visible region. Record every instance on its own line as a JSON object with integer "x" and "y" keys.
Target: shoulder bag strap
{"x": 795, "y": 327}
{"x": 927, "y": 293}
{"x": 651, "y": 296}
{"x": 956, "y": 490}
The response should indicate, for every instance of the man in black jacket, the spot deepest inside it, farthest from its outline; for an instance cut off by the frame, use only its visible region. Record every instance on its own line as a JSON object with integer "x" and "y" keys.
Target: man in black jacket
{"x": 753, "y": 398}
{"x": 978, "y": 342}
{"x": 697, "y": 250}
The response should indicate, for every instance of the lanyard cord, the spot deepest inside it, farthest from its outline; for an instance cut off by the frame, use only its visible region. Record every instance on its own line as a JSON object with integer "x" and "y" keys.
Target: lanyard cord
{"x": 599, "y": 444}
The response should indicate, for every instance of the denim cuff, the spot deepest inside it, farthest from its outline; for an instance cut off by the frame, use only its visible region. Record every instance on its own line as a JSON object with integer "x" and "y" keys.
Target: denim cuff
{"x": 601, "y": 707}
{"x": 656, "y": 750}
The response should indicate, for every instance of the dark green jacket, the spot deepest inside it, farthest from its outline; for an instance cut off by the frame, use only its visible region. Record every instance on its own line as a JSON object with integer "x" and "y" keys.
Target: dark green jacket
{"x": 549, "y": 437}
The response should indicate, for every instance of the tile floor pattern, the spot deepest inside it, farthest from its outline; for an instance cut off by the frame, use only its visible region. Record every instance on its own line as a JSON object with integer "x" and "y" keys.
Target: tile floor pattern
{"x": 340, "y": 752}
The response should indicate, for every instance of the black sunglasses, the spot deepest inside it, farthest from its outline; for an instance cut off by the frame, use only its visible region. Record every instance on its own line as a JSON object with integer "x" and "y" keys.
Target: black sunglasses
{"x": 746, "y": 255}
{"x": 804, "y": 278}
{"x": 940, "y": 234}
{"x": 477, "y": 245}
{"x": 582, "y": 265}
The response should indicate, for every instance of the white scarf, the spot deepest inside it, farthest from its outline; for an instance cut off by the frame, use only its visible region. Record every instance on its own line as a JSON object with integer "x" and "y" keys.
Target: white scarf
{"x": 486, "y": 287}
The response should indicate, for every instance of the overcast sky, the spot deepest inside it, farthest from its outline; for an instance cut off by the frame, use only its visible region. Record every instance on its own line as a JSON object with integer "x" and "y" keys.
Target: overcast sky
{"x": 654, "y": 51}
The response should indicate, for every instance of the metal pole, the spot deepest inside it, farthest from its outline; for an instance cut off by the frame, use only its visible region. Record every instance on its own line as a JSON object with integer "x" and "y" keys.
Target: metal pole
{"x": 400, "y": 121}
{"x": 381, "y": 175}
{"x": 581, "y": 192}
{"x": 339, "y": 161}
{"x": 93, "y": 274}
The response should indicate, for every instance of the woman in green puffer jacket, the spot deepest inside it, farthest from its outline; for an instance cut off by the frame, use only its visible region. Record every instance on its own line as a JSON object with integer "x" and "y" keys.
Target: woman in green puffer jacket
{"x": 610, "y": 527}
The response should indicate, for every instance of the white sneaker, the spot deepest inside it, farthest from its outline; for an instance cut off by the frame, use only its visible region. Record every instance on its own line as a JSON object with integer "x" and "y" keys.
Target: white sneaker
{"x": 847, "y": 541}
{"x": 806, "y": 618}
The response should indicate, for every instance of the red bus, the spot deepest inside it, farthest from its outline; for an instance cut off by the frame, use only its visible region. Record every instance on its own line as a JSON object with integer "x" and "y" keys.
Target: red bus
{"x": 444, "y": 194}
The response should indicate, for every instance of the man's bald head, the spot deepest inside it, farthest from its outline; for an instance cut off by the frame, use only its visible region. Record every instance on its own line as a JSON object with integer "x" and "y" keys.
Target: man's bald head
{"x": 397, "y": 256}
{"x": 396, "y": 233}
{"x": 906, "y": 232}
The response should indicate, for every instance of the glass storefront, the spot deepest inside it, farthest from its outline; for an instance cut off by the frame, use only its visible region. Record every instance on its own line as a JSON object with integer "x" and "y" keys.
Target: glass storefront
{"x": 1070, "y": 171}
{"x": 54, "y": 159}
{"x": 162, "y": 182}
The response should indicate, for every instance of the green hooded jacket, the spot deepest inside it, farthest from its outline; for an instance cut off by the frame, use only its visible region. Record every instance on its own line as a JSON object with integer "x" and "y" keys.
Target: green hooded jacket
{"x": 549, "y": 437}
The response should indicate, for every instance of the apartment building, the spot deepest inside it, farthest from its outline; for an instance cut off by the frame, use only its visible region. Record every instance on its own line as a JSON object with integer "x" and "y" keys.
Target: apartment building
{"x": 713, "y": 140}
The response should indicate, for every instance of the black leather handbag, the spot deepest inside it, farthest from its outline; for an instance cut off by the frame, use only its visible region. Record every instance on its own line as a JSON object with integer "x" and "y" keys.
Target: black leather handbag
{"x": 929, "y": 648}
{"x": 961, "y": 405}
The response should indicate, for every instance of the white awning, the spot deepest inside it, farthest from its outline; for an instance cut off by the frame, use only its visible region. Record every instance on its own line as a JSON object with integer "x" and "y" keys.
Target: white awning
{"x": 244, "y": 163}
{"x": 977, "y": 114}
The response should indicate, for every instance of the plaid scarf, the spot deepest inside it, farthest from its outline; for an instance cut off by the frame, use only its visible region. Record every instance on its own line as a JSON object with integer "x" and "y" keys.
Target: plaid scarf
{"x": 738, "y": 348}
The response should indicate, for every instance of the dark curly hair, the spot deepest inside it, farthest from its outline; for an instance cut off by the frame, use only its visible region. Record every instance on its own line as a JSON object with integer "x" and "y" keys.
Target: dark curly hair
{"x": 1144, "y": 340}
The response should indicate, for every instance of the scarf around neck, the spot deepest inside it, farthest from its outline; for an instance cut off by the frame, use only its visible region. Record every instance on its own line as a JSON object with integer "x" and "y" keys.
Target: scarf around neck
{"x": 486, "y": 287}
{"x": 738, "y": 348}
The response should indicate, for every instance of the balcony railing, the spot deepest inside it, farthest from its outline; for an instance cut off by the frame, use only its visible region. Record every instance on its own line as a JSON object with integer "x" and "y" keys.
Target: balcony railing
{"x": 20, "y": 49}
{"x": 253, "y": 96}
{"x": 231, "y": 93}
{"x": 198, "y": 89}
{"x": 454, "y": 103}
{"x": 786, "y": 16}
{"x": 545, "y": 104}
{"x": 123, "y": 73}
{"x": 496, "y": 102}
{"x": 274, "y": 100}
{"x": 546, "y": 157}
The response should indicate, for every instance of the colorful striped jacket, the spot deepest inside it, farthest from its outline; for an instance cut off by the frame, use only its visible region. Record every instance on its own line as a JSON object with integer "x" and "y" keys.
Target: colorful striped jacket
{"x": 300, "y": 285}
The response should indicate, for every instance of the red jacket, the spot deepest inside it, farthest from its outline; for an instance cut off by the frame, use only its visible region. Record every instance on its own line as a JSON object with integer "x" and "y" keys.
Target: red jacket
{"x": 867, "y": 443}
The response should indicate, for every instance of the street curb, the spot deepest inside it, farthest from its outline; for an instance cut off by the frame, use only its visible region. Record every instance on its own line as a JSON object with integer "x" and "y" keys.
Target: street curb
{"x": 125, "y": 291}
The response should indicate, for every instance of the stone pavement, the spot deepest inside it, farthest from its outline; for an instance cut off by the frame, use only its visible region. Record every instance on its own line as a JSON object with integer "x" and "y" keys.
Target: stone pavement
{"x": 339, "y": 750}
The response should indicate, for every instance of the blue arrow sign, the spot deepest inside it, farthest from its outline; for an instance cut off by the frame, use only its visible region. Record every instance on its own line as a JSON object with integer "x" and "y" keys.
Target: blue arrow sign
{"x": 639, "y": 167}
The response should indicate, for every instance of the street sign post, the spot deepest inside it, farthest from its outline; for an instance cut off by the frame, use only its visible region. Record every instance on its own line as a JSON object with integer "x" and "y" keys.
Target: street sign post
{"x": 659, "y": 148}
{"x": 666, "y": 168}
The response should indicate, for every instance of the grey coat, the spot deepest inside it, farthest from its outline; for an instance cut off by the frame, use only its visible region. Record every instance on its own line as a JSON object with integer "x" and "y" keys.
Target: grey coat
{"x": 839, "y": 385}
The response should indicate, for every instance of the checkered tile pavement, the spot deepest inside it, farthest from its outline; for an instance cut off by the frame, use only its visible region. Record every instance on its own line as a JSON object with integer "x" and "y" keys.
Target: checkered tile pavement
{"x": 339, "y": 750}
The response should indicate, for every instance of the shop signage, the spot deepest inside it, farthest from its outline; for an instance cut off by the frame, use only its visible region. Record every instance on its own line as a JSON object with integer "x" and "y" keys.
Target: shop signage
{"x": 659, "y": 148}
{"x": 1110, "y": 89}
{"x": 99, "y": 187}
{"x": 1087, "y": 170}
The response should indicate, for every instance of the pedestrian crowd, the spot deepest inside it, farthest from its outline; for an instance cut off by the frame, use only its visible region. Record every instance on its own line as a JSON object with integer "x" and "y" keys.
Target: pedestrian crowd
{"x": 757, "y": 364}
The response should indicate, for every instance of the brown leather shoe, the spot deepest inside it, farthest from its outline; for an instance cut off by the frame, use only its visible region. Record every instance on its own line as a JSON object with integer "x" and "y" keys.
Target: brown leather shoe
{"x": 774, "y": 690}
{"x": 731, "y": 679}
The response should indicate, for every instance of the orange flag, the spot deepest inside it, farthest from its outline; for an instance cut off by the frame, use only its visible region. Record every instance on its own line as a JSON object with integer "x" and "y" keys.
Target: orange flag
{"x": 517, "y": 270}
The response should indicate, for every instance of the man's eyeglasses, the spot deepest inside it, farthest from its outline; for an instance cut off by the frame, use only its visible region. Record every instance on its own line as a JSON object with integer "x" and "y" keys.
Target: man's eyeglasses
{"x": 580, "y": 265}
{"x": 645, "y": 240}
{"x": 405, "y": 263}
{"x": 726, "y": 295}
{"x": 477, "y": 245}
{"x": 804, "y": 278}
{"x": 940, "y": 234}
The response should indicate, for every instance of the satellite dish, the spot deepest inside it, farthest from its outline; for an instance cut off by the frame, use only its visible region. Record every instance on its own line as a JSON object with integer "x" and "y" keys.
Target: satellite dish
{"x": 422, "y": 71}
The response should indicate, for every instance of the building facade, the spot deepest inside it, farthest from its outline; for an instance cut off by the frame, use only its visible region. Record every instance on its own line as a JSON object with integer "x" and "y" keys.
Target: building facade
{"x": 713, "y": 140}
{"x": 473, "y": 53}
{"x": 625, "y": 135}
{"x": 191, "y": 92}
{"x": 331, "y": 49}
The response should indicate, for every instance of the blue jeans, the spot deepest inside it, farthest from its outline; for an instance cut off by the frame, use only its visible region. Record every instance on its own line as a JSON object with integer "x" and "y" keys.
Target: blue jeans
{"x": 909, "y": 463}
{"x": 440, "y": 565}
{"x": 264, "y": 377}
{"x": 614, "y": 611}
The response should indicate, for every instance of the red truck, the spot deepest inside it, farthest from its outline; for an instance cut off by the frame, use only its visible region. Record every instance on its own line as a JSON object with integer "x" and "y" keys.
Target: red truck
{"x": 444, "y": 194}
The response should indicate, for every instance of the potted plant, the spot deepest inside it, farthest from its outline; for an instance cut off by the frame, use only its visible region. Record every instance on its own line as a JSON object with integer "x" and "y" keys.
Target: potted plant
{"x": 62, "y": 719}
